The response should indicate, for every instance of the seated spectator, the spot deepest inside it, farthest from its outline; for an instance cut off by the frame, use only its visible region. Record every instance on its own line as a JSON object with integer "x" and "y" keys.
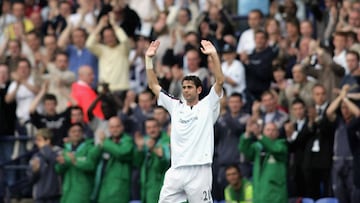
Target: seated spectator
{"x": 270, "y": 156}
{"x": 239, "y": 189}
{"x": 47, "y": 186}
{"x": 77, "y": 164}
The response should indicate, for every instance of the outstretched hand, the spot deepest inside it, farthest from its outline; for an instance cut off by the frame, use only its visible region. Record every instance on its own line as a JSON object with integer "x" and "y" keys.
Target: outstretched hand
{"x": 207, "y": 47}
{"x": 151, "y": 51}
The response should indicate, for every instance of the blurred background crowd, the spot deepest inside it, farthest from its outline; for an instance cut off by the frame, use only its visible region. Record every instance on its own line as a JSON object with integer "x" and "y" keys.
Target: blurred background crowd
{"x": 74, "y": 97}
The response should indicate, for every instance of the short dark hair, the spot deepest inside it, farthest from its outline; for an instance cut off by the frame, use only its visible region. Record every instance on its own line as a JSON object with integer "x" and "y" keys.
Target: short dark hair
{"x": 298, "y": 100}
{"x": 76, "y": 108}
{"x": 50, "y": 97}
{"x": 76, "y": 124}
{"x": 266, "y": 35}
{"x": 236, "y": 94}
{"x": 153, "y": 119}
{"x": 233, "y": 166}
{"x": 355, "y": 53}
{"x": 23, "y": 60}
{"x": 196, "y": 80}
{"x": 258, "y": 11}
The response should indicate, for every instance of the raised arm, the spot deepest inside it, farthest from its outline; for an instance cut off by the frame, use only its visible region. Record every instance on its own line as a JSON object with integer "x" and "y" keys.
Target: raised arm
{"x": 38, "y": 97}
{"x": 64, "y": 36}
{"x": 331, "y": 110}
{"x": 209, "y": 49}
{"x": 150, "y": 73}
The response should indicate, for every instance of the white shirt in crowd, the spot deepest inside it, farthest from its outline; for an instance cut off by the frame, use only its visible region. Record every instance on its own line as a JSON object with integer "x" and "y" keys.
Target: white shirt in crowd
{"x": 23, "y": 99}
{"x": 246, "y": 42}
{"x": 236, "y": 72}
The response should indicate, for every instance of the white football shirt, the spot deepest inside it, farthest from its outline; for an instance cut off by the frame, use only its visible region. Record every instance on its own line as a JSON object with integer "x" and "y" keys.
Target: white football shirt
{"x": 192, "y": 131}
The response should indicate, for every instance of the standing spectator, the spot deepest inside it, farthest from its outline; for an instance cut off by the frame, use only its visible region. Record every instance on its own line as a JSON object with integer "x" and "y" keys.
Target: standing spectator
{"x": 228, "y": 129}
{"x": 247, "y": 39}
{"x": 258, "y": 67}
{"x": 239, "y": 188}
{"x": 153, "y": 156}
{"x": 268, "y": 110}
{"x": 163, "y": 117}
{"x": 60, "y": 80}
{"x": 300, "y": 88}
{"x": 270, "y": 156}
{"x": 7, "y": 127}
{"x": 47, "y": 186}
{"x": 339, "y": 57}
{"x": 50, "y": 49}
{"x": 57, "y": 122}
{"x": 352, "y": 78}
{"x": 22, "y": 90}
{"x": 7, "y": 110}
{"x": 297, "y": 133}
{"x": 82, "y": 92}
{"x": 113, "y": 174}
{"x": 319, "y": 149}
{"x": 114, "y": 49}
{"x": 353, "y": 131}
{"x": 77, "y": 116}
{"x": 11, "y": 59}
{"x": 77, "y": 164}
{"x": 193, "y": 65}
{"x": 234, "y": 71}
{"x": 330, "y": 74}
{"x": 57, "y": 13}
{"x": 6, "y": 17}
{"x": 22, "y": 25}
{"x": 78, "y": 54}
{"x": 342, "y": 165}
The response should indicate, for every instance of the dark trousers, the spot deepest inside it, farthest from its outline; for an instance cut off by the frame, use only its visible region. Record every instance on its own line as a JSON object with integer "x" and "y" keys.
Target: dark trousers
{"x": 343, "y": 181}
{"x": 317, "y": 182}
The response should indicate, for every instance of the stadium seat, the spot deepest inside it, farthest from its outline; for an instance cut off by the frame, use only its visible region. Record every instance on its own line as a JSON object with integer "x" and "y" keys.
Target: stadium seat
{"x": 327, "y": 200}
{"x": 307, "y": 200}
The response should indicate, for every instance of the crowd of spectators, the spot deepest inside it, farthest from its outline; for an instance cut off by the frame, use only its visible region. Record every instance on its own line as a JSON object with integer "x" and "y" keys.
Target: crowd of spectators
{"x": 73, "y": 80}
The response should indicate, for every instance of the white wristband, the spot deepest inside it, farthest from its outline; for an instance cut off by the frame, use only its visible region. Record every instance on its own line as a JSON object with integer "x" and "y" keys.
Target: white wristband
{"x": 148, "y": 63}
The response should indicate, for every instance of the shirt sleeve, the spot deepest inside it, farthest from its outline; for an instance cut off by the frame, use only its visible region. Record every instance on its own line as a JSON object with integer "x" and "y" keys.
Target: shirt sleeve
{"x": 11, "y": 87}
{"x": 166, "y": 100}
{"x": 213, "y": 100}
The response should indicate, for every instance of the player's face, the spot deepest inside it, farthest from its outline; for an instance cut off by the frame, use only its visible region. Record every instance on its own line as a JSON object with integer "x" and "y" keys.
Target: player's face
{"x": 190, "y": 92}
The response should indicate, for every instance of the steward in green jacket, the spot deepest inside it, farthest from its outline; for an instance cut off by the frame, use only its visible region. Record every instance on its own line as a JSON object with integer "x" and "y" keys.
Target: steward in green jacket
{"x": 270, "y": 156}
{"x": 113, "y": 173}
{"x": 239, "y": 189}
{"x": 153, "y": 156}
{"x": 77, "y": 166}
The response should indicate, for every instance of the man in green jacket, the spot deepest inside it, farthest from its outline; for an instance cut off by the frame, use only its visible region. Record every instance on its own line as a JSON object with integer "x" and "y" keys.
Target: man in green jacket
{"x": 270, "y": 156}
{"x": 153, "y": 156}
{"x": 113, "y": 173}
{"x": 77, "y": 164}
